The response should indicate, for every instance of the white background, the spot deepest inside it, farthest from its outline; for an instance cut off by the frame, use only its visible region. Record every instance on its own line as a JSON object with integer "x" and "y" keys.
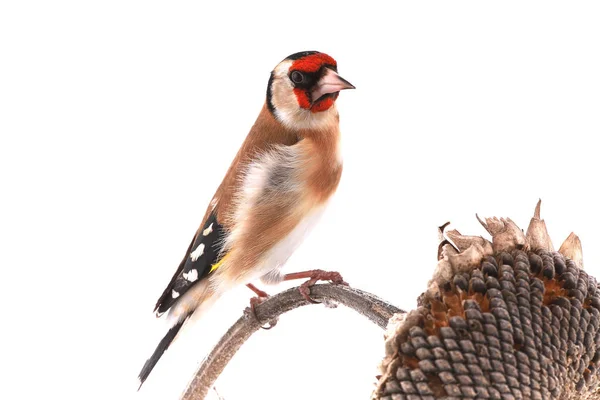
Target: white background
{"x": 118, "y": 119}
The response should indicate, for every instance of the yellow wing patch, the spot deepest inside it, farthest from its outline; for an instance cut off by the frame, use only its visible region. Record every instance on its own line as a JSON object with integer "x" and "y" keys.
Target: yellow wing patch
{"x": 218, "y": 264}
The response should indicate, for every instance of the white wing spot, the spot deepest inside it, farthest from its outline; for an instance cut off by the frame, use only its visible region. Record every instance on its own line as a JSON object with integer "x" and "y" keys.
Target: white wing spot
{"x": 208, "y": 230}
{"x": 198, "y": 252}
{"x": 191, "y": 276}
{"x": 174, "y": 294}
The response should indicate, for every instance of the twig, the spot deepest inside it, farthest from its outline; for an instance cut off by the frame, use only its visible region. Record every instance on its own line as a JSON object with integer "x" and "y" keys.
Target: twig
{"x": 375, "y": 309}
{"x": 217, "y": 393}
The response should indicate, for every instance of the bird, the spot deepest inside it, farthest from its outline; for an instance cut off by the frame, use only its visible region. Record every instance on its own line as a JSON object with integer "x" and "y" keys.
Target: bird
{"x": 273, "y": 193}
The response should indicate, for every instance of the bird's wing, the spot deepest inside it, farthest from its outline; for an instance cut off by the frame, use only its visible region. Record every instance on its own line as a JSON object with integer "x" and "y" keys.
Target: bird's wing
{"x": 206, "y": 251}
{"x": 201, "y": 258}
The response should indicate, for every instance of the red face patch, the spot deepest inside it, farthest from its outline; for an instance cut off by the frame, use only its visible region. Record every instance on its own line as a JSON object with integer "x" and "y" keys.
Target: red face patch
{"x": 313, "y": 62}
{"x": 302, "y": 97}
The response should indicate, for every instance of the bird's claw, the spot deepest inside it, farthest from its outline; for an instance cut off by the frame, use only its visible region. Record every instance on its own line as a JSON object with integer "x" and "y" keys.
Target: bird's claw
{"x": 320, "y": 275}
{"x": 254, "y": 301}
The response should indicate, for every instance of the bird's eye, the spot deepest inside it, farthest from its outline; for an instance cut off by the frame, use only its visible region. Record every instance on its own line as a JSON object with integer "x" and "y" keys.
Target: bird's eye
{"x": 297, "y": 77}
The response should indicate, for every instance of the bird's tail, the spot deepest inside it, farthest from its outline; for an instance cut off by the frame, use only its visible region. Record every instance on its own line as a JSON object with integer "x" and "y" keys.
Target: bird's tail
{"x": 160, "y": 349}
{"x": 188, "y": 308}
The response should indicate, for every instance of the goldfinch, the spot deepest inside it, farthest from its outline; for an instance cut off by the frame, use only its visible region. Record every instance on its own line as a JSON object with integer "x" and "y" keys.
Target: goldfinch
{"x": 272, "y": 195}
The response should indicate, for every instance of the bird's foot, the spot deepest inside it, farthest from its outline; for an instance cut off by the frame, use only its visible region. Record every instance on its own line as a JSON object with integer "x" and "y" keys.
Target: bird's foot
{"x": 259, "y": 293}
{"x": 314, "y": 276}
{"x": 255, "y": 301}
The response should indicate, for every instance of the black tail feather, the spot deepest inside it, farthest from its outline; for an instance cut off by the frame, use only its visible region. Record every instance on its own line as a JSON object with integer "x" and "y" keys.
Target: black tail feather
{"x": 160, "y": 349}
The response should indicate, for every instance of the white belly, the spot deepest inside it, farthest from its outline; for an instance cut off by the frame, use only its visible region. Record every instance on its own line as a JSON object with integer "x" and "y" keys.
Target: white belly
{"x": 277, "y": 256}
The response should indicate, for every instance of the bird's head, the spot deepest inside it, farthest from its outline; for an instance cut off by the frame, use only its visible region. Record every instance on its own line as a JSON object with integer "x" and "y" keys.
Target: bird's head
{"x": 302, "y": 90}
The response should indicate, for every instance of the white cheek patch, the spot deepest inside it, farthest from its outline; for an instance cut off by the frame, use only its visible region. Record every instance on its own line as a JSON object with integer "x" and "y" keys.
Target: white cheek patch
{"x": 174, "y": 294}
{"x": 208, "y": 230}
{"x": 198, "y": 252}
{"x": 290, "y": 114}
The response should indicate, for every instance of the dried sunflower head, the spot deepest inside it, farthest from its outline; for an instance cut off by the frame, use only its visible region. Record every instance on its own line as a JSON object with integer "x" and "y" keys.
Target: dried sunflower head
{"x": 507, "y": 319}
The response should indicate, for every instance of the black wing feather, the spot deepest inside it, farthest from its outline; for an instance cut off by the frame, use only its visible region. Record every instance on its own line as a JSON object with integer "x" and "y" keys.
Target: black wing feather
{"x": 211, "y": 238}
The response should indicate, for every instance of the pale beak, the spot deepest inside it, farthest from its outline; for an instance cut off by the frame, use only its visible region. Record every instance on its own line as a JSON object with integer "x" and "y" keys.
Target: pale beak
{"x": 330, "y": 82}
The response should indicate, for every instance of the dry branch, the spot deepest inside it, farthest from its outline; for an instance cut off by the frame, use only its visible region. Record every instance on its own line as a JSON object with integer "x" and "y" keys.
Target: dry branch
{"x": 366, "y": 304}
